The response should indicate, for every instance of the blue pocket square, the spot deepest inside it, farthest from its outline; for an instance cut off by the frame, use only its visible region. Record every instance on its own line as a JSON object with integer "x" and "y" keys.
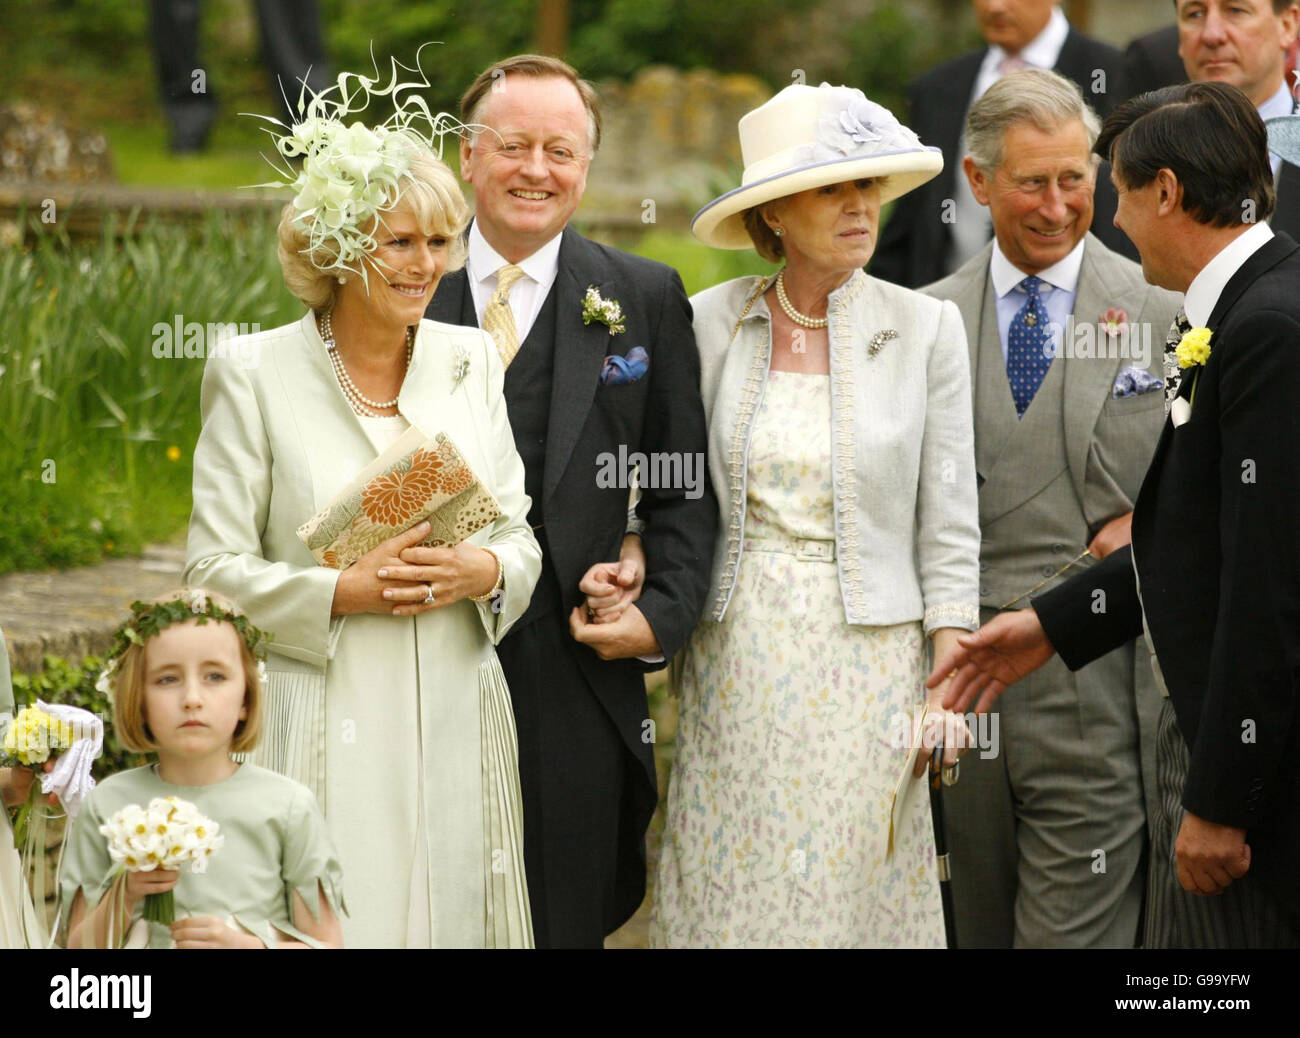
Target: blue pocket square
{"x": 1135, "y": 382}
{"x": 619, "y": 371}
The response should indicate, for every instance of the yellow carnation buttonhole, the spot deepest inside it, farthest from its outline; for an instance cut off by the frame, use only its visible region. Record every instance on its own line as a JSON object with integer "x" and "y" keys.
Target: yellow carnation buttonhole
{"x": 1194, "y": 348}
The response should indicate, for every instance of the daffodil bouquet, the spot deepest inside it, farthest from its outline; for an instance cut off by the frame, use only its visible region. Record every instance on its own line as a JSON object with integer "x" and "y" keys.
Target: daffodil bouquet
{"x": 28, "y": 742}
{"x": 168, "y": 834}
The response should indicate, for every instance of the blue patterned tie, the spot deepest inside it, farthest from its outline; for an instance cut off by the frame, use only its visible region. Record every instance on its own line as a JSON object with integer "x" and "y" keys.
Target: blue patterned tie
{"x": 1027, "y": 358}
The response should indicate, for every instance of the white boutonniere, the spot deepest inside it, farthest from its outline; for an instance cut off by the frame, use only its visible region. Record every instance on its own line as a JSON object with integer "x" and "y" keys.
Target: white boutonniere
{"x": 460, "y": 363}
{"x": 604, "y": 311}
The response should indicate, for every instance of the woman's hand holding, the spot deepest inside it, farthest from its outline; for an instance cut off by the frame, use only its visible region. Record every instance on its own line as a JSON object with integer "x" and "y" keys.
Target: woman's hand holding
{"x": 611, "y": 587}
{"x": 16, "y": 784}
{"x": 451, "y": 573}
{"x": 360, "y": 588}
{"x": 942, "y": 727}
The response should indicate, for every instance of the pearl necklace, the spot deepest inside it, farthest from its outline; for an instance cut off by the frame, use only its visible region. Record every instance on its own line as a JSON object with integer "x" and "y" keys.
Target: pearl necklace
{"x": 360, "y": 403}
{"x": 790, "y": 311}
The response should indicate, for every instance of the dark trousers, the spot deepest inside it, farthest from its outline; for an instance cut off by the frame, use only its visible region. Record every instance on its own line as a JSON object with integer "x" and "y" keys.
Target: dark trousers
{"x": 573, "y": 770}
{"x": 291, "y": 45}
{"x": 1245, "y": 915}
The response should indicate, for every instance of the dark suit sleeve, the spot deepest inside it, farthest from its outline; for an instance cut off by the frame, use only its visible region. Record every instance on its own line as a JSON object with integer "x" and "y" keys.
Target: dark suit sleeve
{"x": 681, "y": 522}
{"x": 892, "y": 260}
{"x": 1245, "y": 731}
{"x": 1093, "y": 612}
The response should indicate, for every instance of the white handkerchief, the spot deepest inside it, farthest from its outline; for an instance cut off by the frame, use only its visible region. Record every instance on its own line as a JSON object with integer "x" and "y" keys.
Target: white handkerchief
{"x": 1179, "y": 411}
{"x": 71, "y": 778}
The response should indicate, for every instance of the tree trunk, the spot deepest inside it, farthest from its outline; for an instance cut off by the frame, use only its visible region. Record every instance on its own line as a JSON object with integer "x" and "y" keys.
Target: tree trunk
{"x": 553, "y": 27}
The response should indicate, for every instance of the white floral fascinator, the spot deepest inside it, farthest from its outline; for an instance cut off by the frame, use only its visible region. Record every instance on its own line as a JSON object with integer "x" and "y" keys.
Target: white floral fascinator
{"x": 351, "y": 172}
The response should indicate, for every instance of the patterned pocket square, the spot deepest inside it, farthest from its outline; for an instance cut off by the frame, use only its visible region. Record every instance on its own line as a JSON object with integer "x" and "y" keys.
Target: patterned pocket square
{"x": 619, "y": 371}
{"x": 1135, "y": 382}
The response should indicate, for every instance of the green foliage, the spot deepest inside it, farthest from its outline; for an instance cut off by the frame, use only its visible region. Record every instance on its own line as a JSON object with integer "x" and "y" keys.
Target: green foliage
{"x": 700, "y": 266}
{"x": 64, "y": 682}
{"x": 98, "y": 433}
{"x": 149, "y": 619}
{"x": 890, "y": 46}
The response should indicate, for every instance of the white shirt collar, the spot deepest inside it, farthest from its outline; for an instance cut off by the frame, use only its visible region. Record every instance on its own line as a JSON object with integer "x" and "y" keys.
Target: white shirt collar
{"x": 1062, "y": 274}
{"x": 1281, "y": 103}
{"x": 1044, "y": 50}
{"x": 483, "y": 261}
{"x": 1204, "y": 291}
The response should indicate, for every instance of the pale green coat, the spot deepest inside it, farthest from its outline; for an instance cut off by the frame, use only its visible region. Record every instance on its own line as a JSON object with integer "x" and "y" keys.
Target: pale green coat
{"x": 402, "y": 726}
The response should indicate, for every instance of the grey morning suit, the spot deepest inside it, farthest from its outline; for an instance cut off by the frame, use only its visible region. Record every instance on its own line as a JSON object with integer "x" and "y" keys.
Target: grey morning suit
{"x": 1047, "y": 838}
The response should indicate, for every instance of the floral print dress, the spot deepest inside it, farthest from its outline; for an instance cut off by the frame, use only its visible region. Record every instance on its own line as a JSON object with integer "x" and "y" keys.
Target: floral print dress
{"x": 792, "y": 732}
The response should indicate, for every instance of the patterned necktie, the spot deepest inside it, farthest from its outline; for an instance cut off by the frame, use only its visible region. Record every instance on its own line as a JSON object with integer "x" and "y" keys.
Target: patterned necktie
{"x": 1173, "y": 373}
{"x": 1028, "y": 342}
{"x": 499, "y": 319}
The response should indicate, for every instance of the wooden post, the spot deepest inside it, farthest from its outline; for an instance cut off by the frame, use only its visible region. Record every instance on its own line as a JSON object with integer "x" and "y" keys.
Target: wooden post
{"x": 553, "y": 27}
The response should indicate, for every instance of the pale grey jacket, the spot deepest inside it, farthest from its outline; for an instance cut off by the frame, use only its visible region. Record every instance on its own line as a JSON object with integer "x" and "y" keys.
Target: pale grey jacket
{"x": 903, "y": 463}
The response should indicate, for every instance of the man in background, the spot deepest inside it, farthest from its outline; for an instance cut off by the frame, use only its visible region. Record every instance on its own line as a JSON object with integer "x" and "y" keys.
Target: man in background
{"x": 934, "y": 230}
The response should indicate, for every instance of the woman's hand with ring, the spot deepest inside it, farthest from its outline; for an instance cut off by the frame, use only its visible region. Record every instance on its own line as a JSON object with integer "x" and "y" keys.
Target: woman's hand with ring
{"x": 361, "y": 588}
{"x": 451, "y": 573}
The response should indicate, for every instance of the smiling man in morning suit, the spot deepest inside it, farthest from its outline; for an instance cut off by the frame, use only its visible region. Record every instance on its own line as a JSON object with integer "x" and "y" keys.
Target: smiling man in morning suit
{"x": 586, "y": 755}
{"x": 1213, "y": 575}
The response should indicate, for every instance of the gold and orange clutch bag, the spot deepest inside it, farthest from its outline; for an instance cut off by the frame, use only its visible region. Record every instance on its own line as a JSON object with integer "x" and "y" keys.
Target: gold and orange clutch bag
{"x": 418, "y": 477}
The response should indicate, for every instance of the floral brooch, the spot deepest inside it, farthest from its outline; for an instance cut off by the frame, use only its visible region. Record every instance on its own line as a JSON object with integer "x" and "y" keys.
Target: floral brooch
{"x": 459, "y": 363}
{"x": 603, "y": 311}
{"x": 878, "y": 341}
{"x": 1114, "y": 322}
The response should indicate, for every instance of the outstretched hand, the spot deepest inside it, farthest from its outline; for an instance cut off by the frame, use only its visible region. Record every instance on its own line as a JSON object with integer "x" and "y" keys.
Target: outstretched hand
{"x": 985, "y": 662}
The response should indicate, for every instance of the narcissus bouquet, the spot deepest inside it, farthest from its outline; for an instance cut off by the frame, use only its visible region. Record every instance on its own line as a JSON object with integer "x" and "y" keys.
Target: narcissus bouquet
{"x": 168, "y": 834}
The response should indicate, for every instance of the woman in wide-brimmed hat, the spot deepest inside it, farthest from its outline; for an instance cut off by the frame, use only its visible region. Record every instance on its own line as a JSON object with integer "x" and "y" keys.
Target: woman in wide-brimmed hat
{"x": 842, "y": 453}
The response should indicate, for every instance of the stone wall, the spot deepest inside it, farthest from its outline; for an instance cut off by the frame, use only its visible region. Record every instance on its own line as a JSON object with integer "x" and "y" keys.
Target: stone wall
{"x": 669, "y": 144}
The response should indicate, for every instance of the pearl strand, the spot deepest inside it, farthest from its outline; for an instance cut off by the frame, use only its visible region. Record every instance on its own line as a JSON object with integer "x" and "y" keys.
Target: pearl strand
{"x": 790, "y": 311}
{"x": 359, "y": 402}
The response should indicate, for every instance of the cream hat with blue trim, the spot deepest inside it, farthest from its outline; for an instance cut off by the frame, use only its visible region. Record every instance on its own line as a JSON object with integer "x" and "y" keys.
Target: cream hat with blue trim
{"x": 807, "y": 137}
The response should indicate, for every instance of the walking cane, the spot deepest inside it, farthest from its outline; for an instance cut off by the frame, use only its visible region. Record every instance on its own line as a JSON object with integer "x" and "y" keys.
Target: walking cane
{"x": 939, "y": 777}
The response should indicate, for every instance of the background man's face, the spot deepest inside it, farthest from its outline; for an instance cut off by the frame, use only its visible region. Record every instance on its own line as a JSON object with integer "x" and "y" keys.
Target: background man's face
{"x": 529, "y": 168}
{"x": 1040, "y": 197}
{"x": 1010, "y": 24}
{"x": 1241, "y": 42}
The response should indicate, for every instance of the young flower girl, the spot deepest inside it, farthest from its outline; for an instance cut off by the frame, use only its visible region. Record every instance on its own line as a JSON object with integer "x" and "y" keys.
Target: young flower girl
{"x": 186, "y": 685}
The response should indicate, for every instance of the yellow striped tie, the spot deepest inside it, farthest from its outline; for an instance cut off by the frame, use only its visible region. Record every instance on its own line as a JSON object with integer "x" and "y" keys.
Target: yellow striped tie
{"x": 499, "y": 319}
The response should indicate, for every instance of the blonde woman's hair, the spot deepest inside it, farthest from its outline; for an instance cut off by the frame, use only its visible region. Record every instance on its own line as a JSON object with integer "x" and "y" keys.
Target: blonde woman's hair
{"x": 429, "y": 192}
{"x": 129, "y": 721}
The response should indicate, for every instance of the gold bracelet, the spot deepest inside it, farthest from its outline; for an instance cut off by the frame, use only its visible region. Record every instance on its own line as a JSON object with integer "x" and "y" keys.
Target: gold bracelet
{"x": 501, "y": 579}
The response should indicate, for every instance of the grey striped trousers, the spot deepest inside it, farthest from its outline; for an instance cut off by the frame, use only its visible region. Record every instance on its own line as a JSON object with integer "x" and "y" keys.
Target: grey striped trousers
{"x": 1243, "y": 916}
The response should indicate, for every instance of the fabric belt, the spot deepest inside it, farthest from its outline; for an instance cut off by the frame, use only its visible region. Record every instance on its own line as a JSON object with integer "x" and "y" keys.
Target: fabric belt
{"x": 803, "y": 548}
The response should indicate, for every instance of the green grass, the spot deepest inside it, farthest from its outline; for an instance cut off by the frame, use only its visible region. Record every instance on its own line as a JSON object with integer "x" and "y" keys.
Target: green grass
{"x": 98, "y": 433}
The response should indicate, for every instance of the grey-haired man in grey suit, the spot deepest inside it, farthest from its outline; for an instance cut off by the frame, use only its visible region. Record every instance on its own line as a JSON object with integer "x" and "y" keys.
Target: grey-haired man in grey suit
{"x": 1066, "y": 341}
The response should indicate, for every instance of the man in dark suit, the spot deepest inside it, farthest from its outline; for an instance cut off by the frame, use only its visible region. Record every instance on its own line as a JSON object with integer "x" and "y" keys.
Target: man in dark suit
{"x": 1152, "y": 62}
{"x": 934, "y": 230}
{"x": 1213, "y": 574}
{"x": 584, "y": 391}
{"x": 1245, "y": 43}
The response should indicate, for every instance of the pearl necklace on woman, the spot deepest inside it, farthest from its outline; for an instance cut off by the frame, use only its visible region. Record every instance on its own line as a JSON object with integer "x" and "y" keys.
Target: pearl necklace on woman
{"x": 790, "y": 311}
{"x": 361, "y": 403}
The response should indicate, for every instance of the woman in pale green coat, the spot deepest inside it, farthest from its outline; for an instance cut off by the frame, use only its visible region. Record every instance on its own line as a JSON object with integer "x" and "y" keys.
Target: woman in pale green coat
{"x": 384, "y": 694}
